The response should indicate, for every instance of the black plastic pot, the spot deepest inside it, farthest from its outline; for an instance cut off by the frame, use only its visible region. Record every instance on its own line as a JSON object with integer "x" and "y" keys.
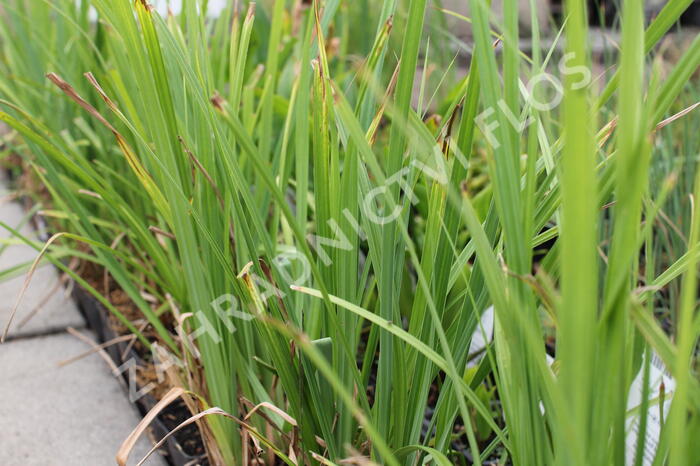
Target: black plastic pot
{"x": 97, "y": 318}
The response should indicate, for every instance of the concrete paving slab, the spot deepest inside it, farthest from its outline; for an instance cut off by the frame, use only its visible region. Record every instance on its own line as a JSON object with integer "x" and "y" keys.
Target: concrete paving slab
{"x": 12, "y": 213}
{"x": 45, "y": 300}
{"x": 45, "y": 307}
{"x": 72, "y": 415}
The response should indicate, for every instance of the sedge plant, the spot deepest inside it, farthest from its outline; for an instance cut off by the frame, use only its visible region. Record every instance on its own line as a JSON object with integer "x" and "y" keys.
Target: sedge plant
{"x": 315, "y": 251}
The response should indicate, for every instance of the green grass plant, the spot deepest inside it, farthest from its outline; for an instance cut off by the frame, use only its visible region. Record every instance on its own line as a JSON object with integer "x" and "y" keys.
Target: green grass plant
{"x": 274, "y": 159}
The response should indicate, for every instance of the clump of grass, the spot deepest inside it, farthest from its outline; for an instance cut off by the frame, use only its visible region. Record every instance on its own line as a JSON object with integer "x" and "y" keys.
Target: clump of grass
{"x": 287, "y": 205}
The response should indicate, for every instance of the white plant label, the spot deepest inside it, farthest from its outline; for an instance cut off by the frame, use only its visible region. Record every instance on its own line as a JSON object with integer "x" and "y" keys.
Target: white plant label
{"x": 481, "y": 336}
{"x": 658, "y": 375}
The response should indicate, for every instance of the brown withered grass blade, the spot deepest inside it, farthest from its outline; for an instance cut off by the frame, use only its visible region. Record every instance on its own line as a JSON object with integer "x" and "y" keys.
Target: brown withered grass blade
{"x": 274, "y": 409}
{"x": 70, "y": 92}
{"x": 678, "y": 115}
{"x": 100, "y": 351}
{"x": 131, "y": 156}
{"x": 130, "y": 441}
{"x": 26, "y": 283}
{"x": 97, "y": 348}
{"x": 185, "y": 423}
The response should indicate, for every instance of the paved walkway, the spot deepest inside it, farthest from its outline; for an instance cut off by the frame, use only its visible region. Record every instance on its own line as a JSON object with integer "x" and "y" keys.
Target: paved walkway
{"x": 76, "y": 414}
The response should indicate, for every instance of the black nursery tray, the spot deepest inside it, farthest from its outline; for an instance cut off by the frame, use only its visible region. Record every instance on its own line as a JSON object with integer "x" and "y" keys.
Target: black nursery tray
{"x": 184, "y": 448}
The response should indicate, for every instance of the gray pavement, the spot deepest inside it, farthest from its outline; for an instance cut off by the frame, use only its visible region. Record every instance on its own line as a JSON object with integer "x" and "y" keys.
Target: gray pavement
{"x": 77, "y": 414}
